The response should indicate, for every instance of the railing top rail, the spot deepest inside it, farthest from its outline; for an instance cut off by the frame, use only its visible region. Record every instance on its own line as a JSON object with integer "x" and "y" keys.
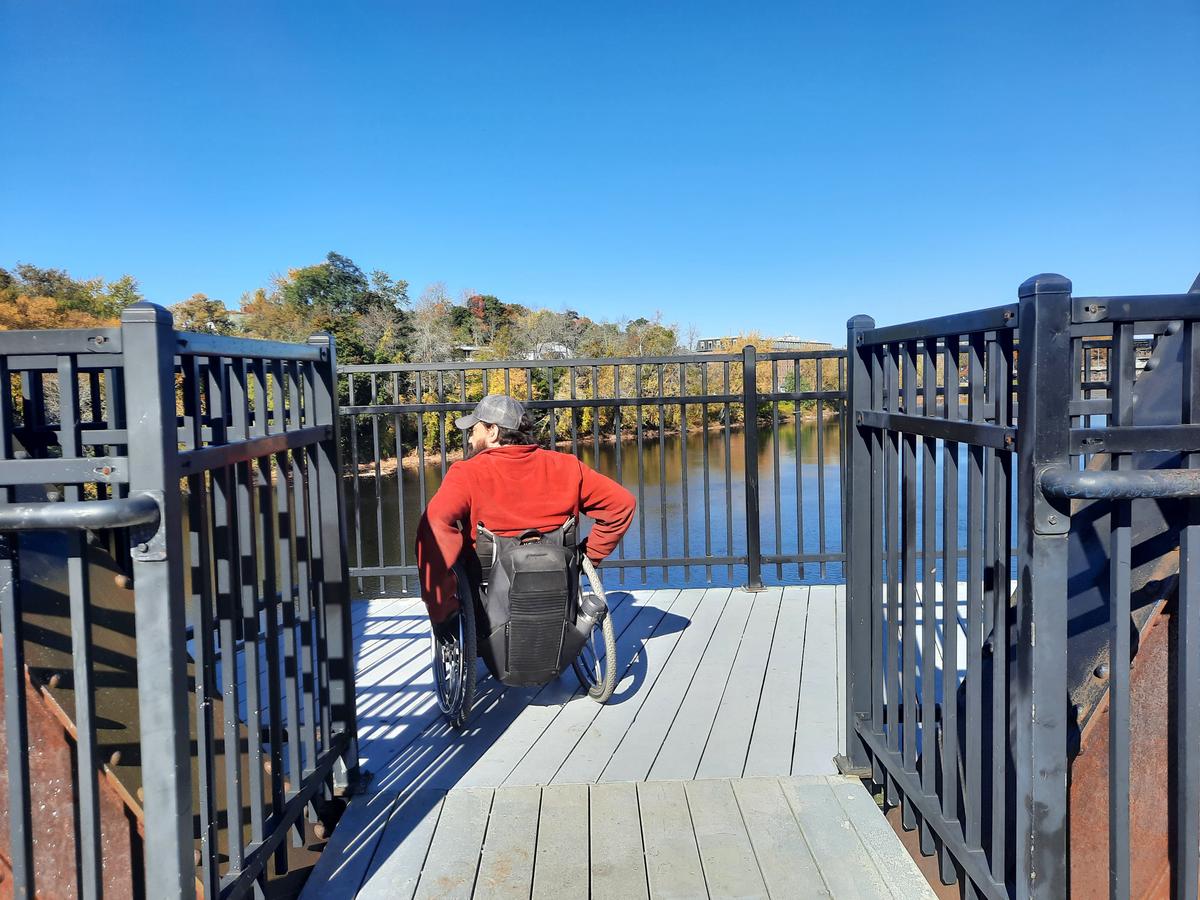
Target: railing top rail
{"x": 993, "y": 319}
{"x": 579, "y": 362}
{"x": 62, "y": 340}
{"x": 1137, "y": 308}
{"x": 198, "y": 344}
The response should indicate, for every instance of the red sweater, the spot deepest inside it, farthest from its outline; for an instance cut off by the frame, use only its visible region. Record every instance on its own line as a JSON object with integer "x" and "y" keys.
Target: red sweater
{"x": 510, "y": 489}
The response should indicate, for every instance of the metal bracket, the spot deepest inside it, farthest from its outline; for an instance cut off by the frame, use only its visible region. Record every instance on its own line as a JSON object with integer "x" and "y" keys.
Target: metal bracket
{"x": 1051, "y": 515}
{"x": 148, "y": 542}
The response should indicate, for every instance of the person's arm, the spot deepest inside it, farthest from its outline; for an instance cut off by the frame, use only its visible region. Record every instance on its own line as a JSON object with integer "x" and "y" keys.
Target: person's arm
{"x": 610, "y": 506}
{"x": 440, "y": 542}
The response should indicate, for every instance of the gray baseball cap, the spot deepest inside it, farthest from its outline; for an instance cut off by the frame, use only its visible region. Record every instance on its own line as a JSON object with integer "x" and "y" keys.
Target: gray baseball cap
{"x": 494, "y": 409}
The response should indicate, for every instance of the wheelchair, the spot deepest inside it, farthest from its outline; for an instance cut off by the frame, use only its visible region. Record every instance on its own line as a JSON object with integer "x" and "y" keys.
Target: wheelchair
{"x": 530, "y": 639}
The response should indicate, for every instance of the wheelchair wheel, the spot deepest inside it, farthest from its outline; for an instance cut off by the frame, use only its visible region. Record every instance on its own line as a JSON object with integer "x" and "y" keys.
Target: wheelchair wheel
{"x": 596, "y": 665}
{"x": 454, "y": 659}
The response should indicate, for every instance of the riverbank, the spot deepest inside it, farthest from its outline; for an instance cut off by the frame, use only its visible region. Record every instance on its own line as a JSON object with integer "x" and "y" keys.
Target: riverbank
{"x": 412, "y": 460}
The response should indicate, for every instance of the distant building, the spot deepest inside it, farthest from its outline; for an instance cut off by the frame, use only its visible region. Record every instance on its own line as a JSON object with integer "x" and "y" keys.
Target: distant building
{"x": 784, "y": 343}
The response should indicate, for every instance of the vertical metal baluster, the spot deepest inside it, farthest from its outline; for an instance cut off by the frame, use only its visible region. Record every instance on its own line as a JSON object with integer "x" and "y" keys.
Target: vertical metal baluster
{"x": 224, "y": 532}
{"x": 271, "y": 541}
{"x": 704, "y": 453}
{"x": 305, "y": 599}
{"x": 641, "y": 468}
{"x": 617, "y": 417}
{"x": 797, "y": 460}
{"x": 878, "y": 574}
{"x": 424, "y": 497}
{"x": 929, "y": 586}
{"x": 800, "y": 542}
{"x": 1187, "y": 730}
{"x": 776, "y": 492}
{"x": 318, "y": 558}
{"x": 441, "y": 398}
{"x": 401, "y": 524}
{"x": 683, "y": 470}
{"x": 949, "y": 725}
{"x": 662, "y": 470}
{"x": 908, "y": 540}
{"x": 894, "y": 599}
{"x": 79, "y": 591}
{"x": 357, "y": 493}
{"x": 335, "y": 595}
{"x": 203, "y": 591}
{"x": 596, "y": 417}
{"x": 1123, "y": 374}
{"x": 574, "y": 413}
{"x": 378, "y": 481}
{"x": 999, "y": 359}
{"x": 973, "y": 803}
{"x": 820, "y": 465}
{"x": 247, "y": 544}
{"x": 285, "y": 523}
{"x": 750, "y": 432}
{"x": 552, "y": 412}
{"x": 728, "y": 477}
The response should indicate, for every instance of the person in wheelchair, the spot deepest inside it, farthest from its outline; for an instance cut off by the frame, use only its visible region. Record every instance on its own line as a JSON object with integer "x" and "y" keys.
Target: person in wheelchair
{"x": 500, "y": 560}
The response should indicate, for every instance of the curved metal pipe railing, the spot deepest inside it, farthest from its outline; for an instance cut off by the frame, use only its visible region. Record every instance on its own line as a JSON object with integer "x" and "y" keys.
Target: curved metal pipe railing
{"x": 1157, "y": 484}
{"x": 74, "y": 516}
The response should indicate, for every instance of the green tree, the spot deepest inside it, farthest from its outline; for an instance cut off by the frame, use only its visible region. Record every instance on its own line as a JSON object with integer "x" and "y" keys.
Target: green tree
{"x": 200, "y": 313}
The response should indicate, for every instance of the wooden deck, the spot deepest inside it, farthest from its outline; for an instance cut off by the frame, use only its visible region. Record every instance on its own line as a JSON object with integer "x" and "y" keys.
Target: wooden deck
{"x": 707, "y": 773}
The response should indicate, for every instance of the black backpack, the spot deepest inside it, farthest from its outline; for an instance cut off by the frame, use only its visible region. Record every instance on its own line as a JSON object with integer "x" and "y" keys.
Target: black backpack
{"x": 529, "y": 607}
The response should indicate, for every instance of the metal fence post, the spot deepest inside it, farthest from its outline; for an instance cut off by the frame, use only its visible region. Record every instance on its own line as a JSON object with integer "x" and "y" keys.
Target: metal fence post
{"x": 862, "y": 570}
{"x": 148, "y": 338}
{"x": 750, "y": 416}
{"x": 335, "y": 587}
{"x": 1041, "y": 705}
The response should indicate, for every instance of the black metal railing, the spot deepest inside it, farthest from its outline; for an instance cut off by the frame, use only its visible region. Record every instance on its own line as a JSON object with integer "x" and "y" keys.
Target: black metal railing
{"x": 973, "y": 697}
{"x": 209, "y": 684}
{"x": 709, "y": 476}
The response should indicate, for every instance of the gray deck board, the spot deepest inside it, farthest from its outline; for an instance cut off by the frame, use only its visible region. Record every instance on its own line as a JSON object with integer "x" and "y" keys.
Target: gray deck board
{"x": 673, "y": 865}
{"x": 548, "y": 794}
{"x": 402, "y": 847}
{"x": 846, "y": 866}
{"x": 816, "y": 718}
{"x": 784, "y": 859}
{"x": 612, "y": 722}
{"x": 563, "y": 846}
{"x": 634, "y": 756}
{"x": 618, "y": 858}
{"x": 453, "y": 859}
{"x": 730, "y": 869}
{"x": 733, "y": 726}
{"x": 679, "y": 756}
{"x": 506, "y": 865}
{"x": 774, "y": 735}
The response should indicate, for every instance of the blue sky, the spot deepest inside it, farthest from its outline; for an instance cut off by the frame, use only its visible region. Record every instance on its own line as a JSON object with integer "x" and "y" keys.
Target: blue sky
{"x": 743, "y": 166}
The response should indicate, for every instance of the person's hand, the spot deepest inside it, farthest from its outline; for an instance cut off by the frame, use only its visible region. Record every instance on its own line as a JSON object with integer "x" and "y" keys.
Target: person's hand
{"x": 446, "y": 631}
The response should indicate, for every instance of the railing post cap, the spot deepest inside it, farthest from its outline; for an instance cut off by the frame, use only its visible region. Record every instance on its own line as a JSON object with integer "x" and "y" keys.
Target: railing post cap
{"x": 322, "y": 338}
{"x": 860, "y": 323}
{"x": 144, "y": 311}
{"x": 1046, "y": 283}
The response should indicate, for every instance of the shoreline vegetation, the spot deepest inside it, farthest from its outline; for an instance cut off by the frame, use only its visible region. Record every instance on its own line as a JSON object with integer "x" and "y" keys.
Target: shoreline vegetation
{"x": 412, "y": 459}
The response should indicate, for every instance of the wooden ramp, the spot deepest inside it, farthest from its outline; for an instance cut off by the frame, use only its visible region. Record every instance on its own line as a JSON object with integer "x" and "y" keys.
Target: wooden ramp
{"x": 728, "y": 704}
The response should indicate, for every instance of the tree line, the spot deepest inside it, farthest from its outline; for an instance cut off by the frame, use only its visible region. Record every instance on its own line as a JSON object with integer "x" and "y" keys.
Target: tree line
{"x": 371, "y": 314}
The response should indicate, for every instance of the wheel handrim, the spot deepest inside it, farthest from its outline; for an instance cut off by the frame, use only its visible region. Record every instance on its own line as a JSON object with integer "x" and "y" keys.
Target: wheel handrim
{"x": 590, "y": 663}
{"x": 448, "y": 671}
